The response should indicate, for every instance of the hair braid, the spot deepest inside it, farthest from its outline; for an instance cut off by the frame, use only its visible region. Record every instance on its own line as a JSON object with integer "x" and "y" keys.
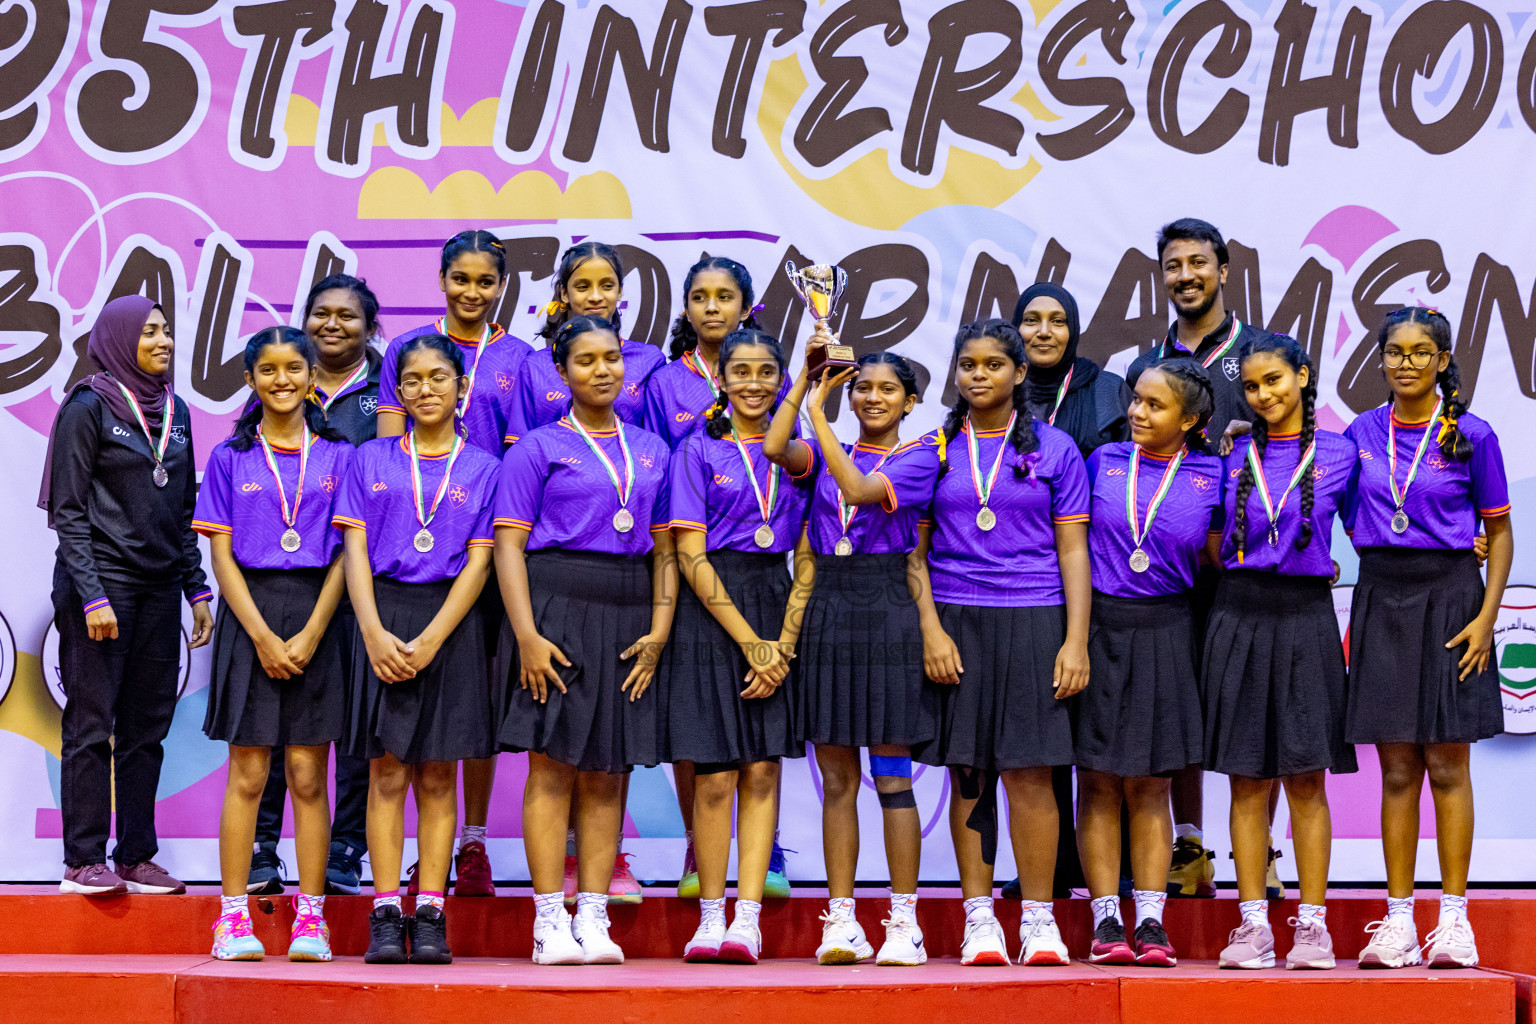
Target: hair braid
{"x": 1260, "y": 441}
{"x": 1308, "y": 432}
{"x": 1453, "y": 443}
{"x": 954, "y": 423}
{"x": 1023, "y": 436}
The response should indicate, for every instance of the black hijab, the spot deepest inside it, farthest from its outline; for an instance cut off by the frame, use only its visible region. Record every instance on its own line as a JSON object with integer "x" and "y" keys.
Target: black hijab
{"x": 1080, "y": 414}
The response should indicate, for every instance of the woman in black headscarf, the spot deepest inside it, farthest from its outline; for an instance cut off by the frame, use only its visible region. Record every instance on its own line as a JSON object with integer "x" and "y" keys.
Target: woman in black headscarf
{"x": 119, "y": 486}
{"x": 1066, "y": 390}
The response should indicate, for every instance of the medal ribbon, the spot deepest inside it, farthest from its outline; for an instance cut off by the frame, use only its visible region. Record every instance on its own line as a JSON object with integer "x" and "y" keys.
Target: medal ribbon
{"x": 424, "y": 516}
{"x": 1237, "y": 326}
{"x": 157, "y": 450}
{"x": 1138, "y": 532}
{"x": 770, "y": 502}
{"x": 622, "y": 486}
{"x": 1061, "y": 396}
{"x": 298, "y": 494}
{"x": 845, "y": 511}
{"x": 696, "y": 363}
{"x": 1400, "y": 497}
{"x": 362, "y": 372}
{"x": 1270, "y": 508}
{"x": 973, "y": 446}
{"x": 474, "y": 368}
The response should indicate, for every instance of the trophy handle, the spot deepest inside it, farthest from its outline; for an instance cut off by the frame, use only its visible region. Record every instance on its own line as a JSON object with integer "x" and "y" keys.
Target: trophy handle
{"x": 840, "y": 283}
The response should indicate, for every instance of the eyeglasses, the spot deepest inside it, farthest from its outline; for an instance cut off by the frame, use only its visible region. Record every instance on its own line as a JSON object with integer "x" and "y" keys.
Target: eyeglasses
{"x": 437, "y": 384}
{"x": 1415, "y": 360}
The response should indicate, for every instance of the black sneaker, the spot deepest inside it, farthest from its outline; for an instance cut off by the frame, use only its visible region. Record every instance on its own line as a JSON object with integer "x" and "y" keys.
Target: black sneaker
{"x": 428, "y": 931}
{"x": 386, "y": 936}
{"x": 343, "y": 870}
{"x": 266, "y": 877}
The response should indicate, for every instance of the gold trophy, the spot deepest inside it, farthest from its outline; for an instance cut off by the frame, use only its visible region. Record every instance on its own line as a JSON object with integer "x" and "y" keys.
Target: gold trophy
{"x": 820, "y": 285}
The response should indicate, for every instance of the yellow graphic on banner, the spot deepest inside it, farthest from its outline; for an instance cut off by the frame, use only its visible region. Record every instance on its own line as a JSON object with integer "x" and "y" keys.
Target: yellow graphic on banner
{"x": 394, "y": 193}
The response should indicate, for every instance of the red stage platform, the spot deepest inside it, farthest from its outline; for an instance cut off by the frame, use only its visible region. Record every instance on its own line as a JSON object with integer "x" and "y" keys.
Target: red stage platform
{"x": 65, "y": 959}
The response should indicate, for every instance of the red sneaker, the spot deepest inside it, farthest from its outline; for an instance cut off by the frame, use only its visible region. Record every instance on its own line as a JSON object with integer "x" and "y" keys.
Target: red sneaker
{"x": 1152, "y": 946}
{"x": 472, "y": 871}
{"x": 1109, "y": 945}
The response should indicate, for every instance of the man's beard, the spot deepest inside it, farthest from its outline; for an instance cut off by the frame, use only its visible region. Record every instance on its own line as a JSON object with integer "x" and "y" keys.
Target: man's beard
{"x": 1199, "y": 311}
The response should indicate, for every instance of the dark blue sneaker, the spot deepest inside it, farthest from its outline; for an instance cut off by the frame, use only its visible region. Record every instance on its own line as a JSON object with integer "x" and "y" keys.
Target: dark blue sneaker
{"x": 343, "y": 870}
{"x": 776, "y": 884}
{"x": 1013, "y": 891}
{"x": 266, "y": 878}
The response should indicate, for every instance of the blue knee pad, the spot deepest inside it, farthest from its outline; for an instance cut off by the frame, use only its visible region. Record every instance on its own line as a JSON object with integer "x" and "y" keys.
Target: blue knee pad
{"x": 890, "y": 767}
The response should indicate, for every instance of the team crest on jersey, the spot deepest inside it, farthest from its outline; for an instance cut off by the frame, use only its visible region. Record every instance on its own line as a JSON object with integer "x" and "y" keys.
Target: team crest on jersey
{"x": 647, "y": 461}
{"x": 1230, "y": 367}
{"x": 328, "y": 484}
{"x": 503, "y": 381}
{"x": 458, "y": 495}
{"x": 179, "y": 434}
{"x": 1201, "y": 483}
{"x": 1436, "y": 463}
{"x": 369, "y": 404}
{"x": 1318, "y": 472}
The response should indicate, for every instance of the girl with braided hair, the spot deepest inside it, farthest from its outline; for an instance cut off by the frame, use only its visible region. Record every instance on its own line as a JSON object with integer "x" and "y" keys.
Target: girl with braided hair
{"x": 1003, "y": 591}
{"x": 1273, "y": 667}
{"x": 1423, "y": 686}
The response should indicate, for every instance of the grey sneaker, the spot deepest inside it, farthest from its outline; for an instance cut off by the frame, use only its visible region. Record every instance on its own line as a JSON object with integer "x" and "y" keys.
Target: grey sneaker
{"x": 151, "y": 879}
{"x": 1451, "y": 944}
{"x": 1313, "y": 948}
{"x": 92, "y": 880}
{"x": 1251, "y": 946}
{"x": 1394, "y": 943}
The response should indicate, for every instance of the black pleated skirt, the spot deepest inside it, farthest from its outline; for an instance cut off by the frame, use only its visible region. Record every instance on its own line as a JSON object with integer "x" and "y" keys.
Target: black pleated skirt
{"x": 707, "y": 719}
{"x": 1003, "y": 714}
{"x": 861, "y": 656}
{"x": 249, "y": 708}
{"x": 1140, "y": 714}
{"x": 592, "y": 606}
{"x": 444, "y": 713}
{"x": 1274, "y": 681}
{"x": 1404, "y": 686}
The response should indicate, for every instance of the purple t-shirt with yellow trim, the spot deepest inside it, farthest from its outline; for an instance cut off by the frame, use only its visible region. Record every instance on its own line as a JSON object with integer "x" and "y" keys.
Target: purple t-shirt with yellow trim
{"x": 239, "y": 498}
{"x": 485, "y": 421}
{"x": 541, "y": 397}
{"x": 891, "y": 526}
{"x": 710, "y": 492}
{"x": 1333, "y": 471}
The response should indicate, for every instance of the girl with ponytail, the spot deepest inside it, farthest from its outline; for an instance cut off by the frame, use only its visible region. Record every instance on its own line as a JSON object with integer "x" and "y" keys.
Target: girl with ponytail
{"x": 1002, "y": 578}
{"x": 1274, "y": 679}
{"x": 1423, "y": 685}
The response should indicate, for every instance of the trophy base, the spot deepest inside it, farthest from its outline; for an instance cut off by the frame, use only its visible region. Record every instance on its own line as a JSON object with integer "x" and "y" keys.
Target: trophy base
{"x": 830, "y": 359}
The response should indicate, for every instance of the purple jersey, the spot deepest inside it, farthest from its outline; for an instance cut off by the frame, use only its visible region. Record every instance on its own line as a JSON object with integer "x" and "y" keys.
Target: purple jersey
{"x": 376, "y": 496}
{"x": 540, "y": 396}
{"x": 890, "y": 526}
{"x": 553, "y": 486}
{"x": 1014, "y": 564}
{"x": 1332, "y": 471}
{"x": 677, "y": 400}
{"x": 1177, "y": 535}
{"x": 486, "y": 419}
{"x": 1446, "y": 497}
{"x": 239, "y": 498}
{"x": 710, "y": 492}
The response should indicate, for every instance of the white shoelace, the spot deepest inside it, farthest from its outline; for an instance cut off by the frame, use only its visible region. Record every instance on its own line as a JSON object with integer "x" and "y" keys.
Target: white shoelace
{"x": 1390, "y": 932}
{"x": 1456, "y": 931}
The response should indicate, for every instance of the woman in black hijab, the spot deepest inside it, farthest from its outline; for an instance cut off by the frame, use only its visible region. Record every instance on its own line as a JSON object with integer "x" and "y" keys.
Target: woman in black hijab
{"x": 1066, "y": 390}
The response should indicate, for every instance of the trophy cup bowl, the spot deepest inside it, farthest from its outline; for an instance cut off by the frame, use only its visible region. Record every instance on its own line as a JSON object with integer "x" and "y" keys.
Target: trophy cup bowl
{"x": 820, "y": 285}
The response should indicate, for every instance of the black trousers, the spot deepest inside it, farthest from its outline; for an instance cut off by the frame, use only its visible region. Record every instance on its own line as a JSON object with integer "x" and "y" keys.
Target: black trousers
{"x": 121, "y": 698}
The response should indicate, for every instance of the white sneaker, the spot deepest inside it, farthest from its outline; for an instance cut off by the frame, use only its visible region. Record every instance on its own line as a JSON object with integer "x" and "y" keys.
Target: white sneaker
{"x": 591, "y": 930}
{"x": 842, "y": 941}
{"x": 704, "y": 947}
{"x": 1394, "y": 943}
{"x": 984, "y": 944}
{"x": 743, "y": 943}
{"x": 1042, "y": 943}
{"x": 1451, "y": 944}
{"x": 903, "y": 945}
{"x": 553, "y": 942}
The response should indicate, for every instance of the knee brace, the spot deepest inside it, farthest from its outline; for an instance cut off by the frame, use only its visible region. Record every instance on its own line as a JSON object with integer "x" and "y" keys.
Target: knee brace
{"x": 898, "y": 800}
{"x": 890, "y": 767}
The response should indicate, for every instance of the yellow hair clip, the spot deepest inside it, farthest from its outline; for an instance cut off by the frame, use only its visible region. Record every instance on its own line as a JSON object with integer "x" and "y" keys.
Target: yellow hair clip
{"x": 943, "y": 446}
{"x": 553, "y": 307}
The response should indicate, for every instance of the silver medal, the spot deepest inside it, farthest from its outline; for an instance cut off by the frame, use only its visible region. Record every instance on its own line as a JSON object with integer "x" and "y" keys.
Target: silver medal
{"x": 161, "y": 477}
{"x": 623, "y": 521}
{"x": 843, "y": 548}
{"x": 290, "y": 540}
{"x": 763, "y": 538}
{"x": 423, "y": 541}
{"x": 1139, "y": 561}
{"x": 1400, "y": 521}
{"x": 986, "y": 518}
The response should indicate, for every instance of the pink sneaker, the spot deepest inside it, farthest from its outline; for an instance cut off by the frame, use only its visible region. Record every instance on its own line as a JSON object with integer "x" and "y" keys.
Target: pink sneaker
{"x": 150, "y": 878}
{"x": 310, "y": 939}
{"x": 1313, "y": 948}
{"x": 472, "y": 871}
{"x": 92, "y": 880}
{"x": 1109, "y": 945}
{"x": 625, "y": 887}
{"x": 1152, "y": 946}
{"x": 570, "y": 880}
{"x": 234, "y": 940}
{"x": 1251, "y": 946}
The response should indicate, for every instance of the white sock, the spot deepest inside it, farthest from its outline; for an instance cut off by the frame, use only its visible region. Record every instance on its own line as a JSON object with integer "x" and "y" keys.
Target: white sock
{"x": 840, "y": 906}
{"x": 1036, "y": 910}
{"x": 423, "y": 901}
{"x": 1313, "y": 912}
{"x": 712, "y": 910}
{"x": 1189, "y": 832}
{"x": 1256, "y": 911}
{"x": 471, "y": 834}
{"x": 307, "y": 904}
{"x": 592, "y": 904}
{"x": 978, "y": 907}
{"x": 387, "y": 901}
{"x": 1453, "y": 906}
{"x": 547, "y": 904}
{"x": 1149, "y": 903}
{"x": 903, "y": 905}
{"x": 747, "y": 912}
{"x": 1400, "y": 909}
{"x": 235, "y": 905}
{"x": 1104, "y": 908}
{"x": 570, "y": 842}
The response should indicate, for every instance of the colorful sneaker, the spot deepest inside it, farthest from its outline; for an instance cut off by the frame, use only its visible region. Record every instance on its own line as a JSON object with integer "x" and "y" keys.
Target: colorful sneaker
{"x": 842, "y": 940}
{"x": 1042, "y": 945}
{"x": 903, "y": 945}
{"x": 1451, "y": 944}
{"x": 412, "y": 883}
{"x": 310, "y": 939}
{"x": 343, "y": 870}
{"x": 984, "y": 944}
{"x": 234, "y": 940}
{"x": 427, "y": 931}
{"x": 1251, "y": 946}
{"x": 776, "y": 883}
{"x": 553, "y": 942}
{"x": 688, "y": 884}
{"x": 624, "y": 887}
{"x": 386, "y": 936}
{"x": 1152, "y": 946}
{"x": 1394, "y": 943}
{"x": 570, "y": 880}
{"x": 92, "y": 880}
{"x": 472, "y": 871}
{"x": 743, "y": 943}
{"x": 1109, "y": 945}
{"x": 1313, "y": 948}
{"x": 591, "y": 932}
{"x": 704, "y": 947}
{"x": 1193, "y": 871}
{"x": 266, "y": 877}
{"x": 1274, "y": 889}
{"x": 150, "y": 879}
